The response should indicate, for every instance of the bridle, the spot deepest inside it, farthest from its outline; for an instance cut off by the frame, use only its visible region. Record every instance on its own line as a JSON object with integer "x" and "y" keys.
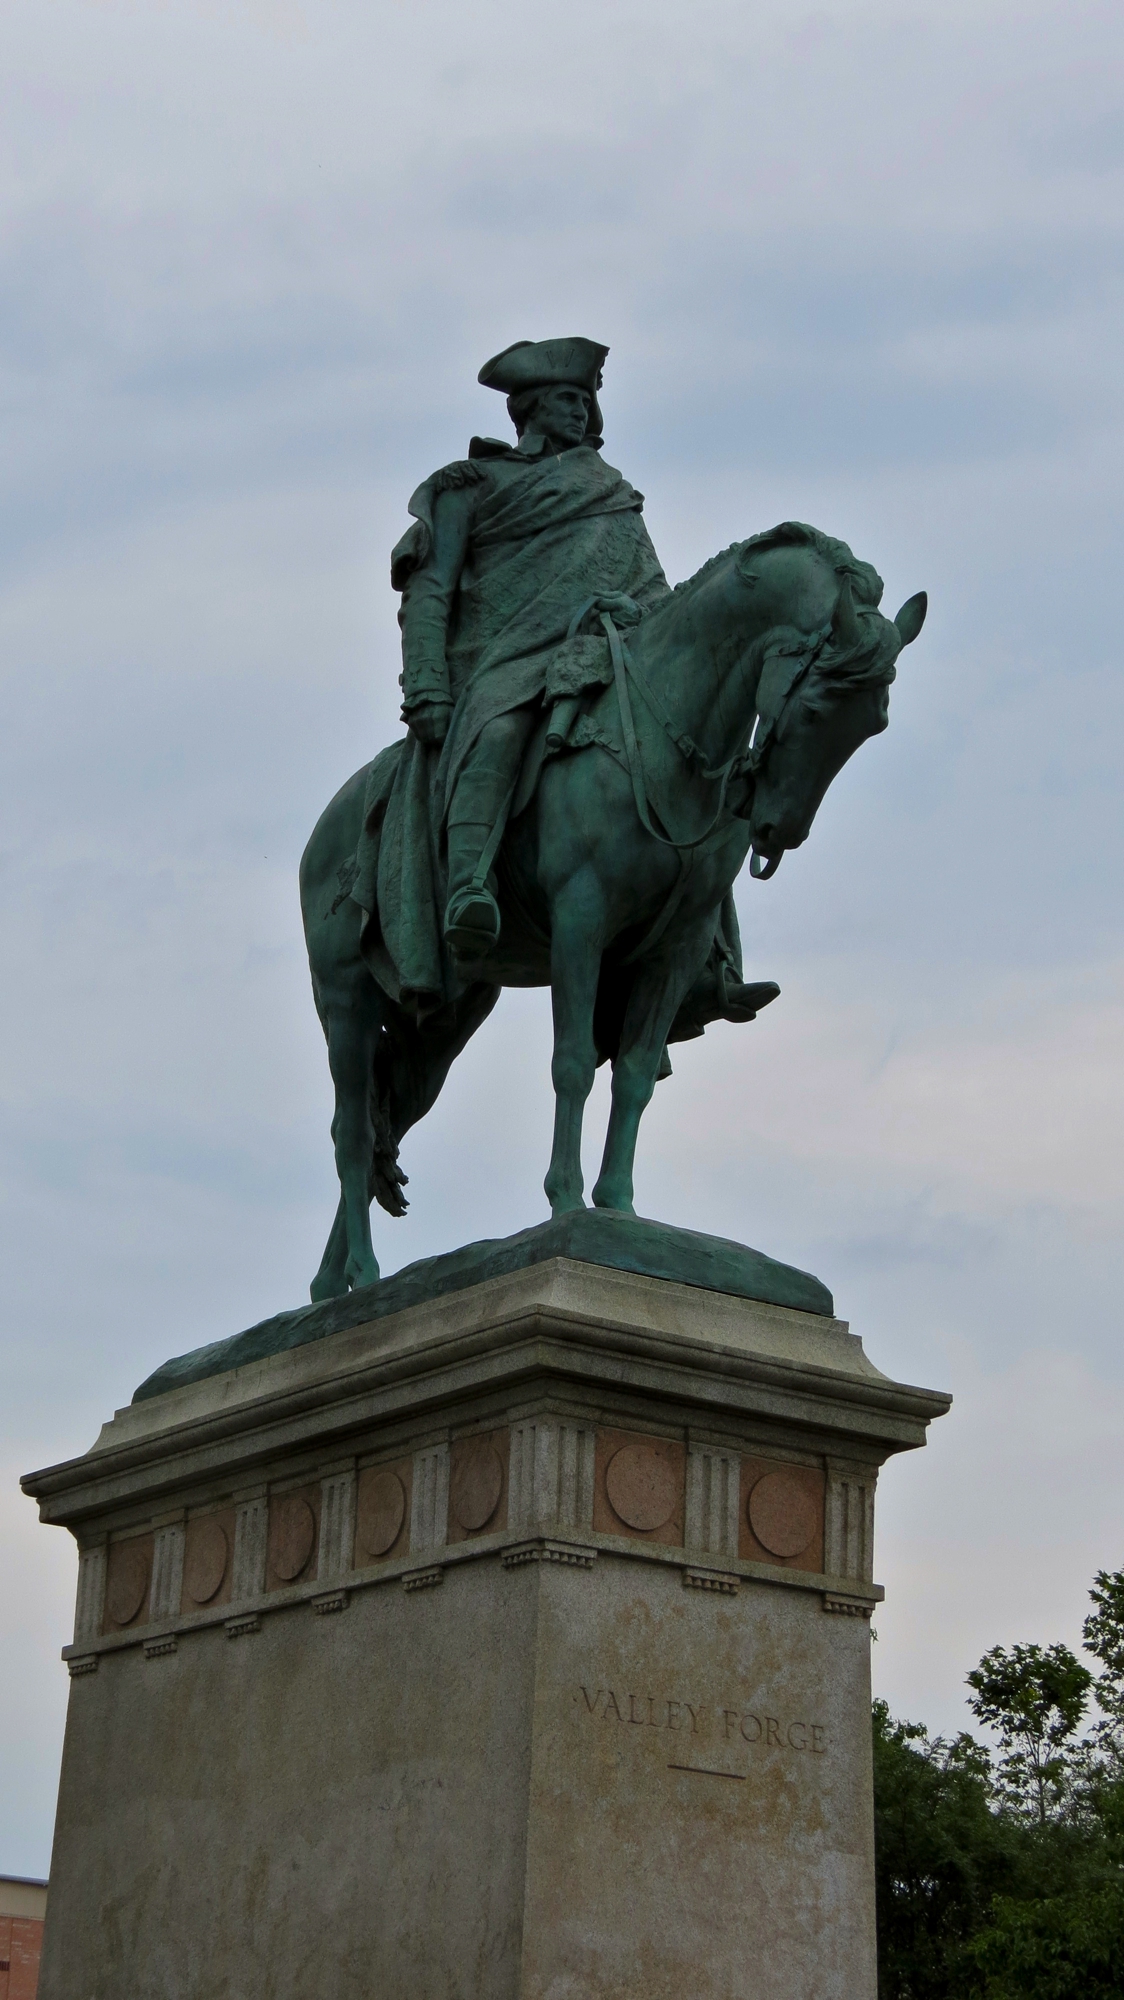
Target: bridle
{"x": 747, "y": 765}
{"x": 762, "y": 866}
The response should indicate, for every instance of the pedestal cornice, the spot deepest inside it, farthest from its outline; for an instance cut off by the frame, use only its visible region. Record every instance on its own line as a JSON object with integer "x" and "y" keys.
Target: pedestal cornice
{"x": 576, "y": 1332}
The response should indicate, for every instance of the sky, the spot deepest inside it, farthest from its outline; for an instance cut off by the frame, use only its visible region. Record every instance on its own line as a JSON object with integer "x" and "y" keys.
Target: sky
{"x": 861, "y": 265}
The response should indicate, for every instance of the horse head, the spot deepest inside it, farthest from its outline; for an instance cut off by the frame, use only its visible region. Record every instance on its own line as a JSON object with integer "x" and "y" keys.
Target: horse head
{"x": 816, "y": 702}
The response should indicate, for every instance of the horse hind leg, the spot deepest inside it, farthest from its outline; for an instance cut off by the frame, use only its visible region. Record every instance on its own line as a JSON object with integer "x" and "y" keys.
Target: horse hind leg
{"x": 385, "y": 1183}
{"x": 352, "y": 1021}
{"x": 330, "y": 1281}
{"x": 414, "y": 1063}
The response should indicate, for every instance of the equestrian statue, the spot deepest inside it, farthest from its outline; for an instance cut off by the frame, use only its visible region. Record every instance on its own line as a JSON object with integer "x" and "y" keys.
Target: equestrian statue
{"x": 589, "y": 758}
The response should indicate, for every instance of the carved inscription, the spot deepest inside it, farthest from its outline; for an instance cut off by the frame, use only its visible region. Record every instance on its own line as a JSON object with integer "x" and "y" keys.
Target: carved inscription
{"x": 773, "y": 1732}
{"x": 642, "y": 1711}
{"x": 703, "y": 1726}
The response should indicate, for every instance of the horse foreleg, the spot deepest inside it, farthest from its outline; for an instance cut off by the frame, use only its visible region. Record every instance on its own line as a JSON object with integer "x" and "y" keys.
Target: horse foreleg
{"x": 576, "y": 930}
{"x": 656, "y": 995}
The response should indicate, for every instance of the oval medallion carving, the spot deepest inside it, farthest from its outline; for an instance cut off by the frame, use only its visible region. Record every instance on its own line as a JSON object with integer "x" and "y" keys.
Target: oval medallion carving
{"x": 293, "y": 1535}
{"x": 783, "y": 1514}
{"x": 205, "y": 1564}
{"x": 382, "y": 1510}
{"x": 641, "y": 1486}
{"x": 128, "y": 1584}
{"x": 477, "y": 1486}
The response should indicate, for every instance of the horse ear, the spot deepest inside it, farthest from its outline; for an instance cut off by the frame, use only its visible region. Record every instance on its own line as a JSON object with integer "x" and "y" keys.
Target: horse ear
{"x": 911, "y": 617}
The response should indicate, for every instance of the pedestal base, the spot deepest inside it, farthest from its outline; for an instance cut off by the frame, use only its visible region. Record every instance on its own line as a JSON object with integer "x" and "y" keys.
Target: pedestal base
{"x": 515, "y": 1646}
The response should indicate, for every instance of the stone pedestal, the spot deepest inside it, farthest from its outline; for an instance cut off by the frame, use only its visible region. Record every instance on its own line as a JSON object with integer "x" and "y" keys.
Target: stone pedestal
{"x": 515, "y": 1647}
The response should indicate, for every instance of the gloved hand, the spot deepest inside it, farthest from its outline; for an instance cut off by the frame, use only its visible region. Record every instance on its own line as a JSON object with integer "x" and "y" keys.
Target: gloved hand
{"x": 622, "y": 609}
{"x": 430, "y": 721}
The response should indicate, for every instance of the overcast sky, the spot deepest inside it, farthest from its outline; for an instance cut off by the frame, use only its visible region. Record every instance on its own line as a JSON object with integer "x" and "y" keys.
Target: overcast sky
{"x": 861, "y": 265}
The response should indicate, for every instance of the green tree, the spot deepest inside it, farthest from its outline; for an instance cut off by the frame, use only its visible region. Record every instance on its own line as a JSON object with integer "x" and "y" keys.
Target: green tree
{"x": 941, "y": 1857}
{"x": 1103, "y": 1636}
{"x": 1068, "y": 1947}
{"x": 1034, "y": 1697}
{"x": 1002, "y": 1878}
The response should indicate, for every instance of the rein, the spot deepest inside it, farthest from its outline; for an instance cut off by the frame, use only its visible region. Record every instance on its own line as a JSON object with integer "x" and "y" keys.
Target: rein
{"x": 624, "y": 666}
{"x": 748, "y": 764}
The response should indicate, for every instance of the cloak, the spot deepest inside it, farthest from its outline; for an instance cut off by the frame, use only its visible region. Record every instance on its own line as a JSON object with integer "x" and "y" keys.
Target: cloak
{"x": 545, "y": 533}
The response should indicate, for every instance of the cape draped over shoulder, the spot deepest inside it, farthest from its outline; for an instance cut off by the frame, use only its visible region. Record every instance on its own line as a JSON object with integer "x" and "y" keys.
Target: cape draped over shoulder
{"x": 545, "y": 534}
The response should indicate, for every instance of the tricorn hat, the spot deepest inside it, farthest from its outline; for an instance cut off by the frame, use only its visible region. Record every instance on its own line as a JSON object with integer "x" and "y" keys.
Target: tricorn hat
{"x": 532, "y": 364}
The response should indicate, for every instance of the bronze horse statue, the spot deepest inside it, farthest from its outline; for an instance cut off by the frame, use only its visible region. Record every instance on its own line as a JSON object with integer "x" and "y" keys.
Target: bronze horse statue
{"x": 720, "y": 721}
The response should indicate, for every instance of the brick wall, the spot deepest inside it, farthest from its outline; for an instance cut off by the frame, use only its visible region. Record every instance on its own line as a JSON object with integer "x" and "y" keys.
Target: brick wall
{"x": 21, "y": 1940}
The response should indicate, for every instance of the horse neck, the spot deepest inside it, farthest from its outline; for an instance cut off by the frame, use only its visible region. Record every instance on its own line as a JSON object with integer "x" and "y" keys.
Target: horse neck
{"x": 698, "y": 650}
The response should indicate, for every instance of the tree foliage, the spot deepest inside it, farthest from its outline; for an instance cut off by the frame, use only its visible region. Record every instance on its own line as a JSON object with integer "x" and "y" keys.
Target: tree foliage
{"x": 1034, "y": 1697}
{"x": 1001, "y": 1873}
{"x": 1067, "y": 1947}
{"x": 1103, "y": 1634}
{"x": 941, "y": 1855}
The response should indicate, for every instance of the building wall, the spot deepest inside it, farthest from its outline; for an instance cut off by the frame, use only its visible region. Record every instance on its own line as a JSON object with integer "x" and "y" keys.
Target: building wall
{"x": 22, "y": 1909}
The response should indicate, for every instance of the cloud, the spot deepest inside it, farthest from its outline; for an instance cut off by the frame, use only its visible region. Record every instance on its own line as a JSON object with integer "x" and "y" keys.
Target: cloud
{"x": 859, "y": 265}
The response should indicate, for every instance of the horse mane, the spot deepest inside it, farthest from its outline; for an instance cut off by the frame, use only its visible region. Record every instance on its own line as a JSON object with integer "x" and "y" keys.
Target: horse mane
{"x": 864, "y": 661}
{"x": 688, "y": 584}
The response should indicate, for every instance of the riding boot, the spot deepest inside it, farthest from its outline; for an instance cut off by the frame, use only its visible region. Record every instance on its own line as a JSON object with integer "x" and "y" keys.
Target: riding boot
{"x": 477, "y": 817}
{"x": 472, "y": 915}
{"x": 720, "y": 994}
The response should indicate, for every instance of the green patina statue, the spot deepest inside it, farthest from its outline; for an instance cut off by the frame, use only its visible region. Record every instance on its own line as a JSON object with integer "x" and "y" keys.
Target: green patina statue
{"x": 590, "y": 757}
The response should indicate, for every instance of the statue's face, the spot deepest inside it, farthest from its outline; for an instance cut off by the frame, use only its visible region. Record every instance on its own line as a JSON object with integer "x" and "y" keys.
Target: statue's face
{"x": 560, "y": 414}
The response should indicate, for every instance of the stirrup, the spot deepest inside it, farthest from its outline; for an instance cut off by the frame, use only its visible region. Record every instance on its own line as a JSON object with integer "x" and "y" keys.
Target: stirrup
{"x": 472, "y": 921}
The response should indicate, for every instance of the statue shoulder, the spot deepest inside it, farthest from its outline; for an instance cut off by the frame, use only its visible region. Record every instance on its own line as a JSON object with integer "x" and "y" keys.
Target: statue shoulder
{"x": 461, "y": 475}
{"x": 461, "y": 481}
{"x": 457, "y": 477}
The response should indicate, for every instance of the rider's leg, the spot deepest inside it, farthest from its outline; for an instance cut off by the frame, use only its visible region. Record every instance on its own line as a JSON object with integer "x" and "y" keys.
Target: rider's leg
{"x": 479, "y": 803}
{"x": 720, "y": 993}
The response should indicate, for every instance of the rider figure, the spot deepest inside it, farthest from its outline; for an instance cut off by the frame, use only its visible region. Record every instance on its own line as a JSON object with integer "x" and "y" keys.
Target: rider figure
{"x": 507, "y": 546}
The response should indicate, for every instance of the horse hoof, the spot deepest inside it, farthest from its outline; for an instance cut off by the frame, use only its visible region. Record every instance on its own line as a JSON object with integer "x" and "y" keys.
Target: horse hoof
{"x": 609, "y": 1205}
{"x": 565, "y": 1205}
{"x": 327, "y": 1288}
